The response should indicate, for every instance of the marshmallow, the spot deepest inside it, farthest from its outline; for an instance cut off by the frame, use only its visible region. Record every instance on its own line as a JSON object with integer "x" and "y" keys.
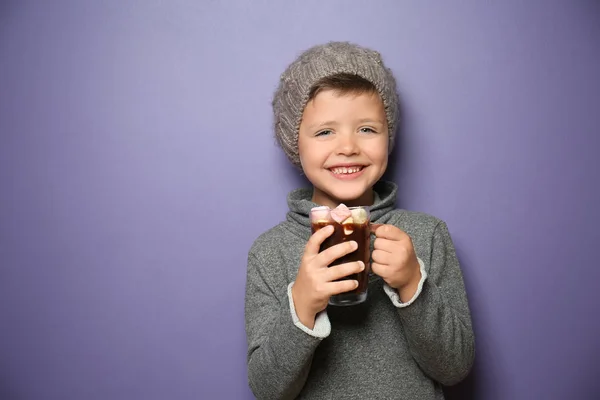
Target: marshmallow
{"x": 340, "y": 213}
{"x": 359, "y": 215}
{"x": 319, "y": 214}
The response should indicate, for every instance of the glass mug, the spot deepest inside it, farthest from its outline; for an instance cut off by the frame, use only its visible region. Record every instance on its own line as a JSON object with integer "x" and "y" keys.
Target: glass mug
{"x": 355, "y": 227}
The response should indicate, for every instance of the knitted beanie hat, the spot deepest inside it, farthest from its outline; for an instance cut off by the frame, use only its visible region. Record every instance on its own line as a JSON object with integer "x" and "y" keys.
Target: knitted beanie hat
{"x": 320, "y": 62}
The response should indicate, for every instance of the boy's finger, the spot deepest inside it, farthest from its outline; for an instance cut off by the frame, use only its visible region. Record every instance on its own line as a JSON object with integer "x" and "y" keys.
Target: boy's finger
{"x": 342, "y": 286}
{"x": 374, "y": 227}
{"x": 334, "y": 252}
{"x": 343, "y": 270}
{"x": 379, "y": 270}
{"x": 390, "y": 232}
{"x": 385, "y": 244}
{"x": 314, "y": 243}
{"x": 382, "y": 257}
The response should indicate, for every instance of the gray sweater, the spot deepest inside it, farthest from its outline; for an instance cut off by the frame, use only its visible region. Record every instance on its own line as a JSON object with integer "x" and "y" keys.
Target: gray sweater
{"x": 381, "y": 349}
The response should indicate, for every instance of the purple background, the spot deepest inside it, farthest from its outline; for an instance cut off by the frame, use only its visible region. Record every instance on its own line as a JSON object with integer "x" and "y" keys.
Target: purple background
{"x": 133, "y": 133}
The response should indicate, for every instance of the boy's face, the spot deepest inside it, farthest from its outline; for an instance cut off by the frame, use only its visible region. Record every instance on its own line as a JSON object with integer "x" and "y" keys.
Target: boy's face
{"x": 343, "y": 146}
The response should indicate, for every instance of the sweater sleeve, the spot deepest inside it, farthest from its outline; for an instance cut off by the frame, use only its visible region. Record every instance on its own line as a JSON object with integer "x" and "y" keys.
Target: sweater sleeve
{"x": 279, "y": 352}
{"x": 393, "y": 293}
{"x": 322, "y": 327}
{"x": 438, "y": 323}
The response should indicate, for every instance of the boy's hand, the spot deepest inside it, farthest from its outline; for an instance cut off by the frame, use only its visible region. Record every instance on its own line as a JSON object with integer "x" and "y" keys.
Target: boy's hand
{"x": 315, "y": 282}
{"x": 395, "y": 261}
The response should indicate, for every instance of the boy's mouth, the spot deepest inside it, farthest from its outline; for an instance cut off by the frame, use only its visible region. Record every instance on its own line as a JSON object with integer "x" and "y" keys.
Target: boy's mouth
{"x": 346, "y": 170}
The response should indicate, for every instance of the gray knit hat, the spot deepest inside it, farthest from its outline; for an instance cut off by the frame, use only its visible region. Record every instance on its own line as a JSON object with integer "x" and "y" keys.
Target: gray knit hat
{"x": 320, "y": 62}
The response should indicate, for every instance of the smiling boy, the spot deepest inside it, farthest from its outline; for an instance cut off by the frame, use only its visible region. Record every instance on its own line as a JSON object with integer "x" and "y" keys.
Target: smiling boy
{"x": 336, "y": 112}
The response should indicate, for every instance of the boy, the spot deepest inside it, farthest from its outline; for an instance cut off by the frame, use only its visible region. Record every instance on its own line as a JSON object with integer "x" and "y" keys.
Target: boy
{"x": 336, "y": 111}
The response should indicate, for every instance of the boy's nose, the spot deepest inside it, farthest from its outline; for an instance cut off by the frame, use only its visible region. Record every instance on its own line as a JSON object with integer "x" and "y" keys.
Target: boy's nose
{"x": 347, "y": 145}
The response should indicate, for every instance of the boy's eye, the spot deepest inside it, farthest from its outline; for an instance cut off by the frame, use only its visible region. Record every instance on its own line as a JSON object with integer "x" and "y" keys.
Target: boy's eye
{"x": 323, "y": 133}
{"x": 367, "y": 130}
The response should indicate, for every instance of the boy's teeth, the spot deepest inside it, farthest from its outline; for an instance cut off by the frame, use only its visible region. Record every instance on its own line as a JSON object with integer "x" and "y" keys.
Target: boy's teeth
{"x": 346, "y": 170}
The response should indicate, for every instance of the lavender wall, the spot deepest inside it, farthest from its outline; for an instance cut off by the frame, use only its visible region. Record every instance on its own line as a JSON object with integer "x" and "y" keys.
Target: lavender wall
{"x": 133, "y": 133}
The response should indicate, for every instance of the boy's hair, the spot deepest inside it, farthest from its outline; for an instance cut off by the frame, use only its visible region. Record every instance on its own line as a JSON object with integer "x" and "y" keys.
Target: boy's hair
{"x": 340, "y": 66}
{"x": 342, "y": 83}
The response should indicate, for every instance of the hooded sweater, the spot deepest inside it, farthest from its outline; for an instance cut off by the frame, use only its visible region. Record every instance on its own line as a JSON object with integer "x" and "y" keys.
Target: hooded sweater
{"x": 379, "y": 349}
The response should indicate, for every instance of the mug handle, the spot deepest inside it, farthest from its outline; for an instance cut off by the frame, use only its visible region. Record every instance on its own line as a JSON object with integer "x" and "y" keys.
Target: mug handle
{"x": 374, "y": 227}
